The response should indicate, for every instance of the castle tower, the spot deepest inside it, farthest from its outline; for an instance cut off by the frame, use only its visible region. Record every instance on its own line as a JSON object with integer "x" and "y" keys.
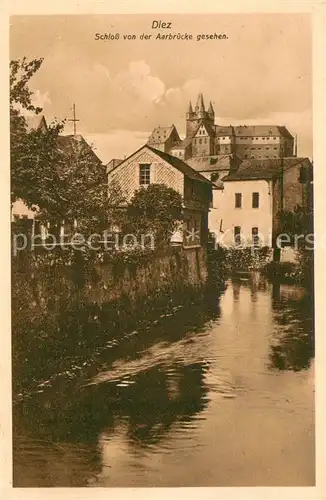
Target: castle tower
{"x": 194, "y": 118}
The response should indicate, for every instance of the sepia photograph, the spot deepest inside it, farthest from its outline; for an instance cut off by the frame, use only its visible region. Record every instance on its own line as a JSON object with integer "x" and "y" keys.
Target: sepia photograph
{"x": 162, "y": 250}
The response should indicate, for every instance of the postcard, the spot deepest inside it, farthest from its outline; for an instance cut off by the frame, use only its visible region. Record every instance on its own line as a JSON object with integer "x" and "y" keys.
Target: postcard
{"x": 166, "y": 251}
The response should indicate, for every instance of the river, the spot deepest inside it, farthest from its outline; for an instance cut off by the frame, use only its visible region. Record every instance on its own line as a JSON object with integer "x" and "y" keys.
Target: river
{"x": 216, "y": 395}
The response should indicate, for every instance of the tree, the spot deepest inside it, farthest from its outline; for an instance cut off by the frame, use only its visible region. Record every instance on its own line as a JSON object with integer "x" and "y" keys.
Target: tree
{"x": 80, "y": 192}
{"x": 156, "y": 209}
{"x": 33, "y": 154}
{"x": 298, "y": 222}
{"x": 61, "y": 176}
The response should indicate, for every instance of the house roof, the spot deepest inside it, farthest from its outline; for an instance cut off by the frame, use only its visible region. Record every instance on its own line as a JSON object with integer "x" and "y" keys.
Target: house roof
{"x": 172, "y": 160}
{"x": 160, "y": 134}
{"x": 262, "y": 131}
{"x": 68, "y": 144}
{"x": 210, "y": 129}
{"x": 212, "y": 163}
{"x": 180, "y": 165}
{"x": 183, "y": 144}
{"x": 113, "y": 163}
{"x": 267, "y": 168}
{"x": 34, "y": 122}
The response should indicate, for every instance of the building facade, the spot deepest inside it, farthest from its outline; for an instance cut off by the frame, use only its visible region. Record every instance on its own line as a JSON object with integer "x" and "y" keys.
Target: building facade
{"x": 253, "y": 196}
{"x": 151, "y": 166}
{"x": 205, "y": 139}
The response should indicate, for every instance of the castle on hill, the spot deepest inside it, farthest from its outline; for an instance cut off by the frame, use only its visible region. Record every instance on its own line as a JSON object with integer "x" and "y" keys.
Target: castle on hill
{"x": 204, "y": 139}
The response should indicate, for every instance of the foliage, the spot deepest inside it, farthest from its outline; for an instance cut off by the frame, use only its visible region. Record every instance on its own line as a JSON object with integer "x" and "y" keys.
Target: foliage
{"x": 60, "y": 176}
{"x": 33, "y": 155}
{"x": 282, "y": 272}
{"x": 21, "y": 71}
{"x": 246, "y": 259}
{"x": 301, "y": 271}
{"x": 305, "y": 267}
{"x": 156, "y": 209}
{"x": 298, "y": 222}
{"x": 216, "y": 264}
{"x": 81, "y": 185}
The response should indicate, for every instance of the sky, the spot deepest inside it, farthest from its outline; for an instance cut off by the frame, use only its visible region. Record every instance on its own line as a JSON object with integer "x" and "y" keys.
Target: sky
{"x": 122, "y": 89}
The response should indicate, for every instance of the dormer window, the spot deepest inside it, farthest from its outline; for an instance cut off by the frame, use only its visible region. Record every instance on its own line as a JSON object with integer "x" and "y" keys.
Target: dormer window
{"x": 144, "y": 174}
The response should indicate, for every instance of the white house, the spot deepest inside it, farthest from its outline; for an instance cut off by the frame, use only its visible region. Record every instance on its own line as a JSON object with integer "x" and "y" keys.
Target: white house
{"x": 249, "y": 205}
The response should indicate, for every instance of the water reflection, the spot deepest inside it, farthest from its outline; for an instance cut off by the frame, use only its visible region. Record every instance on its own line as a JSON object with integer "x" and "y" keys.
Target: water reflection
{"x": 293, "y": 343}
{"x": 181, "y": 402}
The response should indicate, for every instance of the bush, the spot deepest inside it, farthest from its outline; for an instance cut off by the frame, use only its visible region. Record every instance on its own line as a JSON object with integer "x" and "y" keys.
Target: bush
{"x": 246, "y": 259}
{"x": 280, "y": 271}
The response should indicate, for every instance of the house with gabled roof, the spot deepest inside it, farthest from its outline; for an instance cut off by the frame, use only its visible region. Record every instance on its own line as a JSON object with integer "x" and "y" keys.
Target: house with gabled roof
{"x": 254, "y": 195}
{"x": 149, "y": 165}
{"x": 164, "y": 138}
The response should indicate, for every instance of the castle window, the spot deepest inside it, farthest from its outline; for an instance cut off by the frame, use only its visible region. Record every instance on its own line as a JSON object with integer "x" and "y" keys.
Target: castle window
{"x": 238, "y": 200}
{"x": 144, "y": 174}
{"x": 255, "y": 200}
{"x": 200, "y": 141}
{"x": 214, "y": 177}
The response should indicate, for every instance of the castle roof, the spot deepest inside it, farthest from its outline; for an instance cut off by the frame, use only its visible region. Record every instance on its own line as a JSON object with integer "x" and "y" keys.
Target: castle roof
{"x": 262, "y": 131}
{"x": 221, "y": 131}
{"x": 160, "y": 134}
{"x": 183, "y": 144}
{"x": 268, "y": 168}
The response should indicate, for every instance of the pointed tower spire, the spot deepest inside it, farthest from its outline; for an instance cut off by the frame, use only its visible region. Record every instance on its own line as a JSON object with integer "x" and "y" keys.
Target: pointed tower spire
{"x": 200, "y": 108}
{"x": 211, "y": 109}
{"x": 190, "y": 110}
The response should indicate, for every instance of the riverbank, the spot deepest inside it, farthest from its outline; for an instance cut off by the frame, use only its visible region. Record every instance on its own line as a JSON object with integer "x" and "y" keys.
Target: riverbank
{"x": 66, "y": 306}
{"x": 299, "y": 270}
